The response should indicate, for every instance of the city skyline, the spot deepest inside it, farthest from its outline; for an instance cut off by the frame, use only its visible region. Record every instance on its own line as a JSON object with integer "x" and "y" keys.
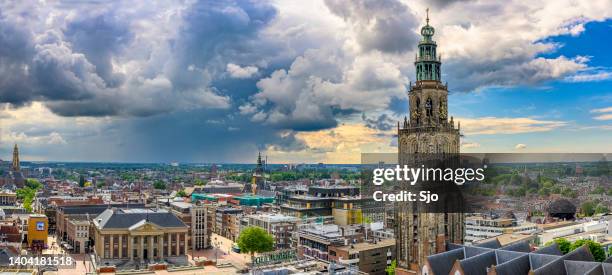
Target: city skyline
{"x": 316, "y": 82}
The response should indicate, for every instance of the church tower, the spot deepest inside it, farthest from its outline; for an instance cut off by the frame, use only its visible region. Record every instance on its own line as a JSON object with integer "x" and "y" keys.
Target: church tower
{"x": 15, "y": 167}
{"x": 257, "y": 180}
{"x": 429, "y": 131}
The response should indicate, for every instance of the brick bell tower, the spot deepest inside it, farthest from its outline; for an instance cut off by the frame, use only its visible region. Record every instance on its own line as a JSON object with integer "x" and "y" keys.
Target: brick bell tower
{"x": 428, "y": 130}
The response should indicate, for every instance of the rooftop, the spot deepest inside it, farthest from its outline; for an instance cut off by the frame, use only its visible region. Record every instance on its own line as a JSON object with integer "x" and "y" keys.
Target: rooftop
{"x": 126, "y": 218}
{"x": 274, "y": 217}
{"x": 364, "y": 246}
{"x": 516, "y": 259}
{"x": 181, "y": 204}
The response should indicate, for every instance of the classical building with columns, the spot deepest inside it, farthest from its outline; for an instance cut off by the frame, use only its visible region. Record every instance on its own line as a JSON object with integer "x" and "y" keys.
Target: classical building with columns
{"x": 139, "y": 234}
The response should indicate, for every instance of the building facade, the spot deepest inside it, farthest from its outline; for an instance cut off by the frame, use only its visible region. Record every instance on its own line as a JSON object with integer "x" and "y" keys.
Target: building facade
{"x": 200, "y": 234}
{"x": 418, "y": 232}
{"x": 321, "y": 200}
{"x": 481, "y": 227}
{"x": 227, "y": 222}
{"x": 371, "y": 257}
{"x": 280, "y": 227}
{"x": 77, "y": 230}
{"x": 139, "y": 234}
{"x": 7, "y": 197}
{"x": 38, "y": 226}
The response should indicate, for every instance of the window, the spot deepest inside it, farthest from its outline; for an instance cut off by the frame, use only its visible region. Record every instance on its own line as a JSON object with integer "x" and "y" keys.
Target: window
{"x": 429, "y": 107}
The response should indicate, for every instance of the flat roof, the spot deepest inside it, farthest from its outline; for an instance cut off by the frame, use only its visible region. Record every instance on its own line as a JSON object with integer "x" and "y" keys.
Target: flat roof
{"x": 553, "y": 225}
{"x": 508, "y": 238}
{"x": 274, "y": 217}
{"x": 181, "y": 204}
{"x": 367, "y": 245}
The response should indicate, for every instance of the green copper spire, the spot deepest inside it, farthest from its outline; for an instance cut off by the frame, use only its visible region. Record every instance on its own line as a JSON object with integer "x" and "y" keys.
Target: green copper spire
{"x": 427, "y": 62}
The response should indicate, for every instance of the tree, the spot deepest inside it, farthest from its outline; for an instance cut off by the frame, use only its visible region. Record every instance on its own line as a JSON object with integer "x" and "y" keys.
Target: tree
{"x": 601, "y": 209}
{"x": 181, "y": 193}
{"x": 254, "y": 239}
{"x": 391, "y": 269}
{"x": 28, "y": 192}
{"x": 33, "y": 184}
{"x": 199, "y": 182}
{"x": 598, "y": 190}
{"x": 596, "y": 249}
{"x": 158, "y": 184}
{"x": 587, "y": 208}
{"x": 564, "y": 245}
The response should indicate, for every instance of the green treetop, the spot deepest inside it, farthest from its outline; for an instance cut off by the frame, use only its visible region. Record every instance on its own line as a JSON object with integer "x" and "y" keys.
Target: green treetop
{"x": 254, "y": 239}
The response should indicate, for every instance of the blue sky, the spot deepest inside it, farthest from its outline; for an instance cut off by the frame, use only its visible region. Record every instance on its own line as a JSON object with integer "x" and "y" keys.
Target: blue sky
{"x": 315, "y": 81}
{"x": 555, "y": 100}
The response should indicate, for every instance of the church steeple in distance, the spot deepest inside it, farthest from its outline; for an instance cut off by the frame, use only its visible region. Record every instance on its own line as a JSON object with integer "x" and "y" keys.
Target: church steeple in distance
{"x": 16, "y": 166}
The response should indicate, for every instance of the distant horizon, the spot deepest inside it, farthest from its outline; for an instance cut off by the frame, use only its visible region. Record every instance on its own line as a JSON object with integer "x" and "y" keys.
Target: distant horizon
{"x": 595, "y": 158}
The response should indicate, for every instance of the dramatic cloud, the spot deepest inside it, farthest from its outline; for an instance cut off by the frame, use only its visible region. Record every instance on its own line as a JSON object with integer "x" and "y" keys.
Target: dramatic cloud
{"x": 384, "y": 25}
{"x": 218, "y": 80}
{"x": 123, "y": 59}
{"x": 479, "y": 52}
{"x": 323, "y": 84}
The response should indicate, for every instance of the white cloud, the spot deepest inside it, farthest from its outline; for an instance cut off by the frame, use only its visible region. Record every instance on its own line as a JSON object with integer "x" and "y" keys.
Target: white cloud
{"x": 480, "y": 52}
{"x": 602, "y": 110}
{"x": 236, "y": 71}
{"x": 56, "y": 138}
{"x": 504, "y": 125}
{"x": 606, "y": 113}
{"x": 604, "y": 117}
{"x": 36, "y": 126}
{"x": 520, "y": 146}
{"x": 247, "y": 109}
{"x": 321, "y": 81}
{"x": 589, "y": 76}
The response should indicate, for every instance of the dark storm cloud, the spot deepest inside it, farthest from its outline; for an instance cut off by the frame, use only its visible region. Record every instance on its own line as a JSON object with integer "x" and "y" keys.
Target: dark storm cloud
{"x": 15, "y": 47}
{"x": 385, "y": 25}
{"x": 215, "y": 33}
{"x": 188, "y": 137}
{"x": 99, "y": 38}
{"x": 69, "y": 64}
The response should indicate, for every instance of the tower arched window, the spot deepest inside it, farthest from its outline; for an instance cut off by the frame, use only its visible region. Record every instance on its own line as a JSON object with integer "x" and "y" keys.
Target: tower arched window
{"x": 429, "y": 107}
